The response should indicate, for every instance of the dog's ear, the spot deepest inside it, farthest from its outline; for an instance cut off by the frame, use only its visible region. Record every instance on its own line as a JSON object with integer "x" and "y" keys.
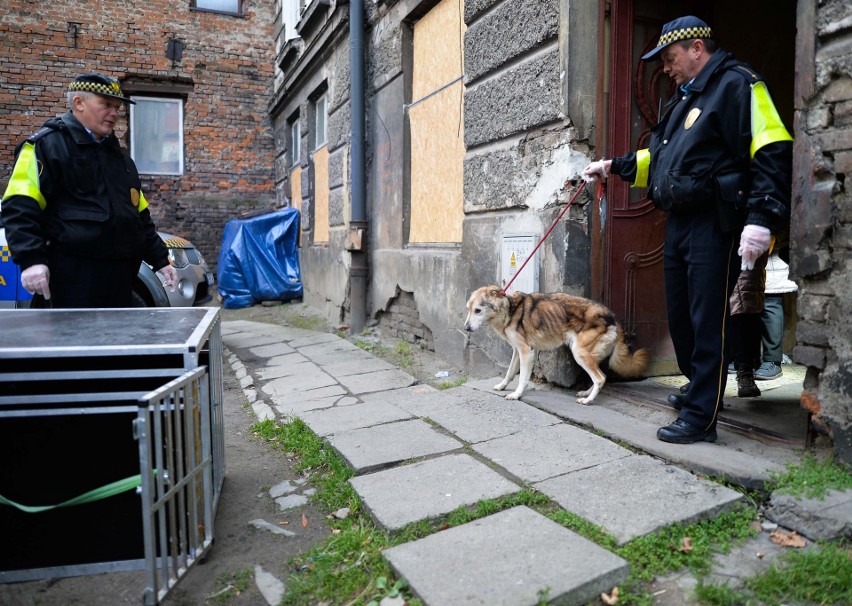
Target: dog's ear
{"x": 496, "y": 292}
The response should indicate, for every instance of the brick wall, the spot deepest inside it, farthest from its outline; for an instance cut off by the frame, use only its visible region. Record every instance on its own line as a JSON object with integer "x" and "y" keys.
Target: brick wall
{"x": 226, "y": 73}
{"x": 402, "y": 320}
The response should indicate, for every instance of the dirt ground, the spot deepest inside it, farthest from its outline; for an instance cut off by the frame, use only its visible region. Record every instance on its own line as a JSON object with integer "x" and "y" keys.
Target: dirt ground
{"x": 252, "y": 467}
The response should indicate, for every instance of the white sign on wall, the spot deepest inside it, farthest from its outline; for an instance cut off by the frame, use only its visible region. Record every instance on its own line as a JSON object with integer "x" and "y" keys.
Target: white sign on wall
{"x": 513, "y": 253}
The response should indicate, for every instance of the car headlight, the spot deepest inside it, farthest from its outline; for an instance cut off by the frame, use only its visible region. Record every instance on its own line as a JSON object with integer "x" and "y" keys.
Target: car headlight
{"x": 178, "y": 258}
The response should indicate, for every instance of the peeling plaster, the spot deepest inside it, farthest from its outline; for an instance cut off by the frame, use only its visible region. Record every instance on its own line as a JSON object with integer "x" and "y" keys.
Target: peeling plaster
{"x": 564, "y": 163}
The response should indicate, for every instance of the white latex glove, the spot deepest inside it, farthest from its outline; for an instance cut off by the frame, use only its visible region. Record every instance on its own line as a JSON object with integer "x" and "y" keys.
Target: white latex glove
{"x": 597, "y": 170}
{"x": 36, "y": 279}
{"x": 753, "y": 243}
{"x": 170, "y": 278}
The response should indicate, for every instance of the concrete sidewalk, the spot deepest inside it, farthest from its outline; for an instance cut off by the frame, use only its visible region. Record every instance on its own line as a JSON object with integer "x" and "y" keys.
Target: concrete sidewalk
{"x": 420, "y": 453}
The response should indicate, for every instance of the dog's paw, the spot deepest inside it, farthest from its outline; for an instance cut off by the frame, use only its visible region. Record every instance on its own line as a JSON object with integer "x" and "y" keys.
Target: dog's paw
{"x": 500, "y": 386}
{"x": 584, "y": 400}
{"x": 514, "y": 396}
{"x": 583, "y": 394}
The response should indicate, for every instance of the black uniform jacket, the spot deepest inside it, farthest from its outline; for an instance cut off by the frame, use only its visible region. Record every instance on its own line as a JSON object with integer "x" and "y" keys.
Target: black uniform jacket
{"x": 92, "y": 194}
{"x": 700, "y": 152}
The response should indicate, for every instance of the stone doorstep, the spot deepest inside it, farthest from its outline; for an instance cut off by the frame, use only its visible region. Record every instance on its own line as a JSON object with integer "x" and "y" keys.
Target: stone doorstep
{"x": 428, "y": 489}
{"x": 507, "y": 558}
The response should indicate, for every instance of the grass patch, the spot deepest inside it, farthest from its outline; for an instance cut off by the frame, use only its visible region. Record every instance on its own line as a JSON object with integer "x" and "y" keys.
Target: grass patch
{"x": 230, "y": 585}
{"x": 811, "y": 478}
{"x": 818, "y": 576}
{"x": 370, "y": 346}
{"x": 404, "y": 355}
{"x": 666, "y": 550}
{"x": 451, "y": 384}
{"x": 327, "y": 472}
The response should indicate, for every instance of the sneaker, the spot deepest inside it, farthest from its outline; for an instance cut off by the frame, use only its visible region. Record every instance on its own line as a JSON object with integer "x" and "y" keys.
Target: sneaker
{"x": 732, "y": 370}
{"x": 768, "y": 371}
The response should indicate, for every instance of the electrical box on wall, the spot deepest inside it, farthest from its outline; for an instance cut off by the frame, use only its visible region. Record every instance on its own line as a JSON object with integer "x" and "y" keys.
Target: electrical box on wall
{"x": 513, "y": 253}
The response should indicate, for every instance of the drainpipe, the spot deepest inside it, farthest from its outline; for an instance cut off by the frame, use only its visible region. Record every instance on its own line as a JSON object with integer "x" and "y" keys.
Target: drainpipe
{"x": 356, "y": 241}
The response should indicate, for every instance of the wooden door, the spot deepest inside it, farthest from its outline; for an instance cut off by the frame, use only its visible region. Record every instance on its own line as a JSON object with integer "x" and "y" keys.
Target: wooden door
{"x": 633, "y": 229}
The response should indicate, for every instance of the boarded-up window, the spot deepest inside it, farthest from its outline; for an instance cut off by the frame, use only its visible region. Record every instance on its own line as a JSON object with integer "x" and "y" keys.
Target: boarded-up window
{"x": 296, "y": 188}
{"x": 435, "y": 121}
{"x": 321, "y": 195}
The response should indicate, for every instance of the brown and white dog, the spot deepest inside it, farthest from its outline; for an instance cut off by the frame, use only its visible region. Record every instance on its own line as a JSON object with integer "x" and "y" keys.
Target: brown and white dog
{"x": 545, "y": 321}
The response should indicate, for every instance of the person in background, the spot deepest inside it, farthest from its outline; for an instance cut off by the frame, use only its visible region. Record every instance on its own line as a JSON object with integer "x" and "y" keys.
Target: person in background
{"x": 720, "y": 162}
{"x": 772, "y": 318}
{"x": 77, "y": 222}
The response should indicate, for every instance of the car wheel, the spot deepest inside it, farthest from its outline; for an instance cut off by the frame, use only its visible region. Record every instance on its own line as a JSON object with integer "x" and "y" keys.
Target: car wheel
{"x": 138, "y": 301}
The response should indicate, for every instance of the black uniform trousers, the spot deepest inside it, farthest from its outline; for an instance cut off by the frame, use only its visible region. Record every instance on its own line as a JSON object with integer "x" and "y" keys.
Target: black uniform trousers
{"x": 79, "y": 282}
{"x": 700, "y": 265}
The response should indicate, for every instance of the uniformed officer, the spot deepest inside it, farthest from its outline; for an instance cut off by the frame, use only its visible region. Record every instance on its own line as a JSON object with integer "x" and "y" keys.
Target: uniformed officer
{"x": 76, "y": 219}
{"x": 720, "y": 161}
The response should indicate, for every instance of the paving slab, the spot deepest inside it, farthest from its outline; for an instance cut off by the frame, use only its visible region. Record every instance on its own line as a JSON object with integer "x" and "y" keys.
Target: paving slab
{"x": 333, "y": 354}
{"x": 339, "y": 419}
{"x": 381, "y": 446}
{"x": 656, "y": 495}
{"x": 507, "y": 559}
{"x": 309, "y": 395}
{"x": 294, "y": 369}
{"x": 824, "y": 519}
{"x": 286, "y": 359}
{"x": 475, "y": 417}
{"x": 428, "y": 489}
{"x": 545, "y": 452}
{"x": 377, "y": 381}
{"x": 270, "y": 351}
{"x": 400, "y": 395}
{"x": 244, "y": 340}
{"x": 303, "y": 382}
{"x": 355, "y": 366}
{"x": 297, "y": 409}
{"x": 312, "y": 338}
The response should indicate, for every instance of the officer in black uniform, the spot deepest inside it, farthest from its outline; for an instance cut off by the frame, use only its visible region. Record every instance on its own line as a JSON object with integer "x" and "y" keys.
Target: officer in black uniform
{"x": 76, "y": 219}
{"x": 720, "y": 162}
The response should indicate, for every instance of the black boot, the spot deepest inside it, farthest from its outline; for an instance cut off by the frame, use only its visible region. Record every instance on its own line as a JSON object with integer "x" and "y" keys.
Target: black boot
{"x": 746, "y": 387}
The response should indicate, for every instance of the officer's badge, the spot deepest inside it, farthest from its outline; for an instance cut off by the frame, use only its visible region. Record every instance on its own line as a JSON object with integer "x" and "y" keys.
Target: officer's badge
{"x": 134, "y": 196}
{"x": 691, "y": 117}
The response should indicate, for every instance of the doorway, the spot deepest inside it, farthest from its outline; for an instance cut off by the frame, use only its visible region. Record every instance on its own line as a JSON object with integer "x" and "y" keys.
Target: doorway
{"x": 761, "y": 33}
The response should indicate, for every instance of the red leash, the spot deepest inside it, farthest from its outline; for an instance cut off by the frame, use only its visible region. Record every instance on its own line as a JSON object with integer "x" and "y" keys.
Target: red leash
{"x": 544, "y": 237}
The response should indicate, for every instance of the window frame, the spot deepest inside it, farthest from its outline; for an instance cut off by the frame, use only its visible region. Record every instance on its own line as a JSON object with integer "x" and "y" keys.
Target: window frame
{"x": 293, "y": 10}
{"x": 181, "y": 159}
{"x": 238, "y": 13}
{"x": 320, "y": 111}
{"x": 295, "y": 142}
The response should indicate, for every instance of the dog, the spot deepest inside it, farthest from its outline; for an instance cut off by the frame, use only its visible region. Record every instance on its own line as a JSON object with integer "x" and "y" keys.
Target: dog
{"x": 546, "y": 321}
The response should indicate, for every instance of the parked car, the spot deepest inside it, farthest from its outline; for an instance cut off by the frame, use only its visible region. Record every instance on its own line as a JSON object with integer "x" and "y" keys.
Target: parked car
{"x": 194, "y": 285}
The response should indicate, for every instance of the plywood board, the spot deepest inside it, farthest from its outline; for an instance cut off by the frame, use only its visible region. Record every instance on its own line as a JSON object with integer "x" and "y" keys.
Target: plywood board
{"x": 437, "y": 155}
{"x": 437, "y": 48}
{"x": 321, "y": 195}
{"x": 296, "y": 188}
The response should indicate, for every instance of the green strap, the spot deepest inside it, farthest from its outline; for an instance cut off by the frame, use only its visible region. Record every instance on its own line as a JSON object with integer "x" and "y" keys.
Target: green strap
{"x": 93, "y": 495}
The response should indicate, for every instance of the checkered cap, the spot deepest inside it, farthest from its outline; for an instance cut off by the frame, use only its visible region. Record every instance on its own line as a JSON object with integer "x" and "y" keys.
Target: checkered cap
{"x": 102, "y": 85}
{"x": 684, "y": 28}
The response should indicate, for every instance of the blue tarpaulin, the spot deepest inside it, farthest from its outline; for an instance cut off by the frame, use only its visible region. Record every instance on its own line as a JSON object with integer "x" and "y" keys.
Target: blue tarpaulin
{"x": 259, "y": 260}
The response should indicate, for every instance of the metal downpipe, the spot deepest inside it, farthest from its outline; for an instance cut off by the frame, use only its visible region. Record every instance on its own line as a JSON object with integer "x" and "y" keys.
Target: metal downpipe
{"x": 357, "y": 240}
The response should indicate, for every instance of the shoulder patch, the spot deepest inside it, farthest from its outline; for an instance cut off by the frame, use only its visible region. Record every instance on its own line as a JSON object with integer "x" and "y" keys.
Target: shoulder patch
{"x": 45, "y": 130}
{"x": 747, "y": 72}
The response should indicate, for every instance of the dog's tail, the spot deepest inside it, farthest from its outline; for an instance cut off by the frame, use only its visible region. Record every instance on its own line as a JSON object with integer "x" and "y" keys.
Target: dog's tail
{"x": 629, "y": 366}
